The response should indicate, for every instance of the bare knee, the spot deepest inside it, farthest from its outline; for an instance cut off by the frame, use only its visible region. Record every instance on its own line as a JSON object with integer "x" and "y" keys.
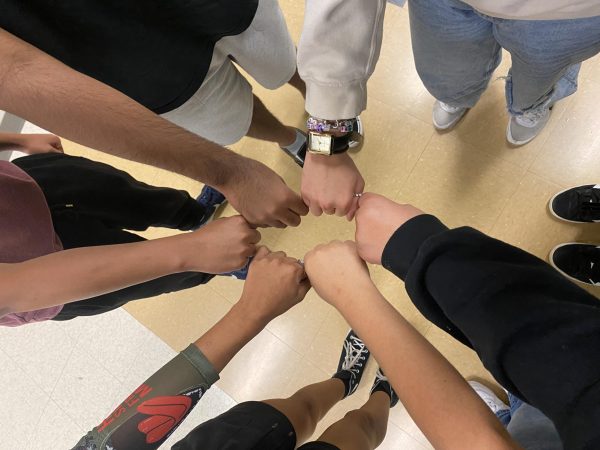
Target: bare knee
{"x": 362, "y": 419}
{"x": 312, "y": 413}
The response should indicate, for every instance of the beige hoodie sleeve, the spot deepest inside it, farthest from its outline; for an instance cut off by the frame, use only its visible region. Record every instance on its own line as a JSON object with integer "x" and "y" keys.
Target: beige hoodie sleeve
{"x": 337, "y": 53}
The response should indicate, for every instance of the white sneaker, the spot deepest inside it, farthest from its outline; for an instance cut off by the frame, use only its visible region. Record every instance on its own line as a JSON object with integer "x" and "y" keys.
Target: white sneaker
{"x": 446, "y": 116}
{"x": 522, "y": 129}
{"x": 491, "y": 399}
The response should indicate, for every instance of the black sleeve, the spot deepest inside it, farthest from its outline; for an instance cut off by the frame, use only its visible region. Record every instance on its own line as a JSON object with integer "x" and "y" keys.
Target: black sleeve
{"x": 535, "y": 331}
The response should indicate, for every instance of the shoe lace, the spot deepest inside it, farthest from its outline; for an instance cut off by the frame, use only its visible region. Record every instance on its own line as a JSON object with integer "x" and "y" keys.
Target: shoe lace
{"x": 590, "y": 203}
{"x": 589, "y": 267}
{"x": 354, "y": 349}
{"x": 532, "y": 117}
{"x": 450, "y": 109}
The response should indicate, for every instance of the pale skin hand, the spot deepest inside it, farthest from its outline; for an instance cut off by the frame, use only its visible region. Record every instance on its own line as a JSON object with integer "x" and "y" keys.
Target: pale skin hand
{"x": 32, "y": 143}
{"x": 258, "y": 305}
{"x": 426, "y": 383}
{"x": 329, "y": 184}
{"x": 377, "y": 219}
{"x": 46, "y": 92}
{"x": 64, "y": 277}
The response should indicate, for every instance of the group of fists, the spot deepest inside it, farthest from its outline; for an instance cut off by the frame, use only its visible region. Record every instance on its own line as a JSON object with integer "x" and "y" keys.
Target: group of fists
{"x": 275, "y": 281}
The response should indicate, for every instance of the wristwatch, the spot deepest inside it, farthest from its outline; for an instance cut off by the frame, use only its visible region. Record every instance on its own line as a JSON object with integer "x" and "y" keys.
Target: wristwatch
{"x": 327, "y": 144}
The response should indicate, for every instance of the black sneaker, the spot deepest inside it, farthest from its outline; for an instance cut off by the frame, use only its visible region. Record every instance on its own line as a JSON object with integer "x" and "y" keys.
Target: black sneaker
{"x": 353, "y": 361}
{"x": 297, "y": 149}
{"x": 579, "y": 262}
{"x": 579, "y": 204}
{"x": 382, "y": 384}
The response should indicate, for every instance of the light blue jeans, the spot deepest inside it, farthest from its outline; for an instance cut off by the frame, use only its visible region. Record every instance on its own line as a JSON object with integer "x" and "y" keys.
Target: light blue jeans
{"x": 457, "y": 49}
{"x": 529, "y": 426}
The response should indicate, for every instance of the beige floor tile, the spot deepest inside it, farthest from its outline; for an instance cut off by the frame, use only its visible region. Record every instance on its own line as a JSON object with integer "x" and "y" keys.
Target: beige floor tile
{"x": 181, "y": 317}
{"x": 399, "y": 416}
{"x": 527, "y": 213}
{"x": 298, "y": 326}
{"x": 395, "y": 80}
{"x": 251, "y": 375}
{"x": 227, "y": 287}
{"x": 571, "y": 154}
{"x": 394, "y": 146}
{"x": 327, "y": 344}
{"x": 396, "y": 438}
{"x": 46, "y": 436}
{"x": 460, "y": 184}
{"x": 590, "y": 69}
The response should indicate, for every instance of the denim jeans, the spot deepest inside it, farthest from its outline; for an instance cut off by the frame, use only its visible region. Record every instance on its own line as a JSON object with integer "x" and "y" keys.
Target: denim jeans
{"x": 456, "y": 50}
{"x": 528, "y": 426}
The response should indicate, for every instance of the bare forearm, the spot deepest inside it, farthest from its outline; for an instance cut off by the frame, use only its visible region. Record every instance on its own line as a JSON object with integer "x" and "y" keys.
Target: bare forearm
{"x": 77, "y": 274}
{"x": 8, "y": 139}
{"x": 224, "y": 340}
{"x": 39, "y": 88}
{"x": 427, "y": 384}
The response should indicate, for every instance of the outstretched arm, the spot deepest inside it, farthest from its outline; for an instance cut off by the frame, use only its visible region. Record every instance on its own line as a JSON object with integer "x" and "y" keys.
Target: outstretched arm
{"x": 41, "y": 89}
{"x": 139, "y": 422}
{"x": 81, "y": 273}
{"x": 337, "y": 54}
{"x": 426, "y": 383}
{"x": 535, "y": 331}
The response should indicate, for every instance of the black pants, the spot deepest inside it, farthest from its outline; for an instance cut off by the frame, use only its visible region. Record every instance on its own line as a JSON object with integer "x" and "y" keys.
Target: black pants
{"x": 93, "y": 203}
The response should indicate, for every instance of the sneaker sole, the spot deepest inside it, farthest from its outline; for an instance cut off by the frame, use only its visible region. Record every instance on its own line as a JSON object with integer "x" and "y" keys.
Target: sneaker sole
{"x": 558, "y": 269}
{"x": 516, "y": 143}
{"x": 556, "y": 215}
{"x": 451, "y": 124}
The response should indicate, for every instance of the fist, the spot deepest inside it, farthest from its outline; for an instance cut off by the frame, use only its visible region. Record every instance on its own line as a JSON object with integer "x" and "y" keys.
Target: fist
{"x": 377, "y": 219}
{"x": 274, "y": 284}
{"x": 336, "y": 271}
{"x": 263, "y": 198}
{"x": 329, "y": 184}
{"x": 223, "y": 245}
{"x": 41, "y": 143}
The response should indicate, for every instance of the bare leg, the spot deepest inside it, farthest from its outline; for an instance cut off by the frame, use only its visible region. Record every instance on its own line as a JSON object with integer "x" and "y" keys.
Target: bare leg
{"x": 266, "y": 127}
{"x": 298, "y": 83}
{"x": 309, "y": 405}
{"x": 361, "y": 429}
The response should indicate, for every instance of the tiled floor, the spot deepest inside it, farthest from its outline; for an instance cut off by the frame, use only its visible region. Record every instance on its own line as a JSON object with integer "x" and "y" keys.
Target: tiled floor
{"x": 468, "y": 176}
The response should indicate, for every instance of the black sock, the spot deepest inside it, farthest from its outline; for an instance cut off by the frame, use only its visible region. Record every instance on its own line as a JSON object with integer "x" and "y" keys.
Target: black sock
{"x": 385, "y": 386}
{"x": 345, "y": 377}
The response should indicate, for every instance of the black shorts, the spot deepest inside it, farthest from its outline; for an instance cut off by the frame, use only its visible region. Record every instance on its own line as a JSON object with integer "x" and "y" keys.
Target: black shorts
{"x": 316, "y": 445}
{"x": 247, "y": 426}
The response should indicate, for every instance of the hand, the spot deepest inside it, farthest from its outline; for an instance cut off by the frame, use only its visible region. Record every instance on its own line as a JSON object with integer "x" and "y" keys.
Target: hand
{"x": 336, "y": 271}
{"x": 377, "y": 219}
{"x": 263, "y": 198}
{"x": 329, "y": 184}
{"x": 33, "y": 144}
{"x": 275, "y": 283}
{"x": 221, "y": 246}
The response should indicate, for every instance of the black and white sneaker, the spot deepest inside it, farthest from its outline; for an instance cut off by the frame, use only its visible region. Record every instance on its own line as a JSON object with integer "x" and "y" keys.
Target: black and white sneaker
{"x": 382, "y": 384}
{"x": 353, "y": 361}
{"x": 579, "y": 262}
{"x": 297, "y": 149}
{"x": 579, "y": 204}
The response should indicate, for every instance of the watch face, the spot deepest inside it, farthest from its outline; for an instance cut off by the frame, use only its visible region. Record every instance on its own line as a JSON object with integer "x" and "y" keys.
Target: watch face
{"x": 320, "y": 143}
